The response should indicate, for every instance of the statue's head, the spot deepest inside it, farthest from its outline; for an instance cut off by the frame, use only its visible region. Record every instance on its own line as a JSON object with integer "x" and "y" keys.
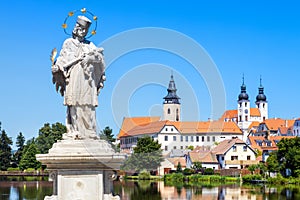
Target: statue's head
{"x": 81, "y": 27}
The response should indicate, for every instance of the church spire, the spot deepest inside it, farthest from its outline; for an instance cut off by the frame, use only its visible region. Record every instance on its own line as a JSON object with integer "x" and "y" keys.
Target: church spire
{"x": 261, "y": 96}
{"x": 172, "y": 96}
{"x": 243, "y": 95}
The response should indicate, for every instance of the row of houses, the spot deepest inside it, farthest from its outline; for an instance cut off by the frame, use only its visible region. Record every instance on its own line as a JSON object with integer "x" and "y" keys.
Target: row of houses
{"x": 231, "y": 142}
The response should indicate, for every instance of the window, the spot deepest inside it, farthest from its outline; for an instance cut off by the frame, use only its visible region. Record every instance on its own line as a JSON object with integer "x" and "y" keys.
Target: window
{"x": 245, "y": 148}
{"x": 166, "y": 138}
{"x": 234, "y": 157}
{"x": 169, "y": 111}
{"x": 181, "y": 147}
{"x": 202, "y": 138}
{"x": 246, "y": 118}
{"x": 234, "y": 148}
{"x": 208, "y": 138}
{"x": 174, "y": 138}
{"x": 197, "y": 138}
{"x": 177, "y": 114}
{"x": 248, "y": 157}
{"x": 240, "y": 118}
{"x": 181, "y": 138}
{"x": 186, "y": 138}
{"x": 166, "y": 148}
{"x": 166, "y": 129}
{"x": 174, "y": 147}
{"x": 222, "y": 157}
{"x": 246, "y": 104}
{"x": 213, "y": 138}
{"x": 172, "y": 129}
{"x": 263, "y": 105}
{"x": 192, "y": 138}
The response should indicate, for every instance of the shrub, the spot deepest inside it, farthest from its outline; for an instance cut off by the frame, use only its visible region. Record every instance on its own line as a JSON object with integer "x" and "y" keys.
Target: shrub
{"x": 30, "y": 170}
{"x": 215, "y": 178}
{"x": 188, "y": 171}
{"x": 279, "y": 179}
{"x": 144, "y": 175}
{"x": 249, "y": 177}
{"x": 208, "y": 171}
{"x": 177, "y": 177}
{"x": 13, "y": 169}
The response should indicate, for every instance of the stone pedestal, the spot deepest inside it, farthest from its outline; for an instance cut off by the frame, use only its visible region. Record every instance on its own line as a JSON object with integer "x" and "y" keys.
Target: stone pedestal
{"x": 82, "y": 169}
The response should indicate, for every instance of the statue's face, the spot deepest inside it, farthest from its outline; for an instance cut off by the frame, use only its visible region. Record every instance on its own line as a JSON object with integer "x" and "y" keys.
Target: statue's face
{"x": 80, "y": 31}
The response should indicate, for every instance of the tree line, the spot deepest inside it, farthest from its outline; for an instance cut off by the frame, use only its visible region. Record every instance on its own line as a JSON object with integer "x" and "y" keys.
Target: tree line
{"x": 24, "y": 156}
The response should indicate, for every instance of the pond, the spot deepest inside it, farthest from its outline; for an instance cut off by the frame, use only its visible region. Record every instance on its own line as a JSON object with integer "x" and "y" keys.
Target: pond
{"x": 146, "y": 190}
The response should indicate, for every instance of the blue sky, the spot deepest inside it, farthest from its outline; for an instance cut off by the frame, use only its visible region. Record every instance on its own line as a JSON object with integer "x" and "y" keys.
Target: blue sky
{"x": 253, "y": 38}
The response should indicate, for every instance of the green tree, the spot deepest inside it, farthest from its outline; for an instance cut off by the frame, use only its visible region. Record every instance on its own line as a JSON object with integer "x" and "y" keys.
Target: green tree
{"x": 28, "y": 159}
{"x": 147, "y": 155}
{"x": 108, "y": 135}
{"x": 191, "y": 147}
{"x": 179, "y": 168}
{"x": 5, "y": 150}
{"x": 272, "y": 163}
{"x": 197, "y": 166}
{"x": 48, "y": 135}
{"x": 20, "y": 142}
{"x": 252, "y": 168}
{"x": 288, "y": 154}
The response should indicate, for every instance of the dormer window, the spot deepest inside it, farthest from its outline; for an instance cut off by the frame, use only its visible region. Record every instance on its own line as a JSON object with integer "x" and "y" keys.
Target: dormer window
{"x": 234, "y": 148}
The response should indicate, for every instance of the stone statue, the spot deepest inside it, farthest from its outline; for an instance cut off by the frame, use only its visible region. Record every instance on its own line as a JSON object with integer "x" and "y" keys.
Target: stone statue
{"x": 79, "y": 74}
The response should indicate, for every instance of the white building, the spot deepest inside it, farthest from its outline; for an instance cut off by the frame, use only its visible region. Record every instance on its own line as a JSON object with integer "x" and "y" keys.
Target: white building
{"x": 178, "y": 135}
{"x": 296, "y": 128}
{"x": 172, "y": 133}
{"x": 234, "y": 154}
{"x": 244, "y": 115}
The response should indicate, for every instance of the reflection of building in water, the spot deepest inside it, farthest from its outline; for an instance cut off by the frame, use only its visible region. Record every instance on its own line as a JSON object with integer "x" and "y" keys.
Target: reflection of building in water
{"x": 207, "y": 193}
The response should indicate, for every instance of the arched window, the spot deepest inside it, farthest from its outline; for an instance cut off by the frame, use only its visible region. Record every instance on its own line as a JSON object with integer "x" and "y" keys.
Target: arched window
{"x": 177, "y": 114}
{"x": 169, "y": 111}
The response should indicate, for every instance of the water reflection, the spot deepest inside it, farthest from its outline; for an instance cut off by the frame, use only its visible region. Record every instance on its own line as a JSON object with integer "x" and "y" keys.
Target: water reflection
{"x": 146, "y": 190}
{"x": 130, "y": 190}
{"x": 24, "y": 190}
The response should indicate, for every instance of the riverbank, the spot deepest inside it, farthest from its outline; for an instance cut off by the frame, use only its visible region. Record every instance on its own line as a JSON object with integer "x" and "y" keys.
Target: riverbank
{"x": 23, "y": 173}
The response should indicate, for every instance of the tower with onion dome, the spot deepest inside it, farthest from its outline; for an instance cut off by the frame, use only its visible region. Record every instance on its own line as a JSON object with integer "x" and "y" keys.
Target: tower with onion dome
{"x": 171, "y": 105}
{"x": 243, "y": 108}
{"x": 261, "y": 102}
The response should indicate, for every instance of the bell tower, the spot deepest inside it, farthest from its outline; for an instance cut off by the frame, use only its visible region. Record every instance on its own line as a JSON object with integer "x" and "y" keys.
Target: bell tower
{"x": 171, "y": 105}
{"x": 261, "y": 102}
{"x": 243, "y": 108}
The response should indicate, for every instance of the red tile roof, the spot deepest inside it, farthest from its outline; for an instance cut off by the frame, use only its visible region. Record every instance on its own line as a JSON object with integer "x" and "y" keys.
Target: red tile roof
{"x": 176, "y": 160}
{"x": 275, "y": 123}
{"x": 206, "y": 127}
{"x": 141, "y": 126}
{"x": 229, "y": 114}
{"x": 130, "y": 122}
{"x": 253, "y": 142}
{"x": 225, "y": 145}
{"x": 255, "y": 112}
{"x": 203, "y": 157}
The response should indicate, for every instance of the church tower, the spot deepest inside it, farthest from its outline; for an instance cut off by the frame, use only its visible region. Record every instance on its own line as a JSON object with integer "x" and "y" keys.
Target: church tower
{"x": 243, "y": 109}
{"x": 171, "y": 105}
{"x": 261, "y": 102}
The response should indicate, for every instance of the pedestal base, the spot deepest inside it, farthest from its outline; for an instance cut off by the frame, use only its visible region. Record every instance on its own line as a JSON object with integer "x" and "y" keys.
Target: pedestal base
{"x": 81, "y": 169}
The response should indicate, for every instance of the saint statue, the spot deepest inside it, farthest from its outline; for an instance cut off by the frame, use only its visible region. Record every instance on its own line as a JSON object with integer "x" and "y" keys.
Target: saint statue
{"x": 78, "y": 74}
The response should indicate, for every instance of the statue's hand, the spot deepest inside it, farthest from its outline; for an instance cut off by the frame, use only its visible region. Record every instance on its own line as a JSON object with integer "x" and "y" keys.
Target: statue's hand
{"x": 54, "y": 68}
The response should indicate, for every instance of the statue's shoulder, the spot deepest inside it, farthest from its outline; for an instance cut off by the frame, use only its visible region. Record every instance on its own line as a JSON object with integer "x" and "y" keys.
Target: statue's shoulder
{"x": 87, "y": 42}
